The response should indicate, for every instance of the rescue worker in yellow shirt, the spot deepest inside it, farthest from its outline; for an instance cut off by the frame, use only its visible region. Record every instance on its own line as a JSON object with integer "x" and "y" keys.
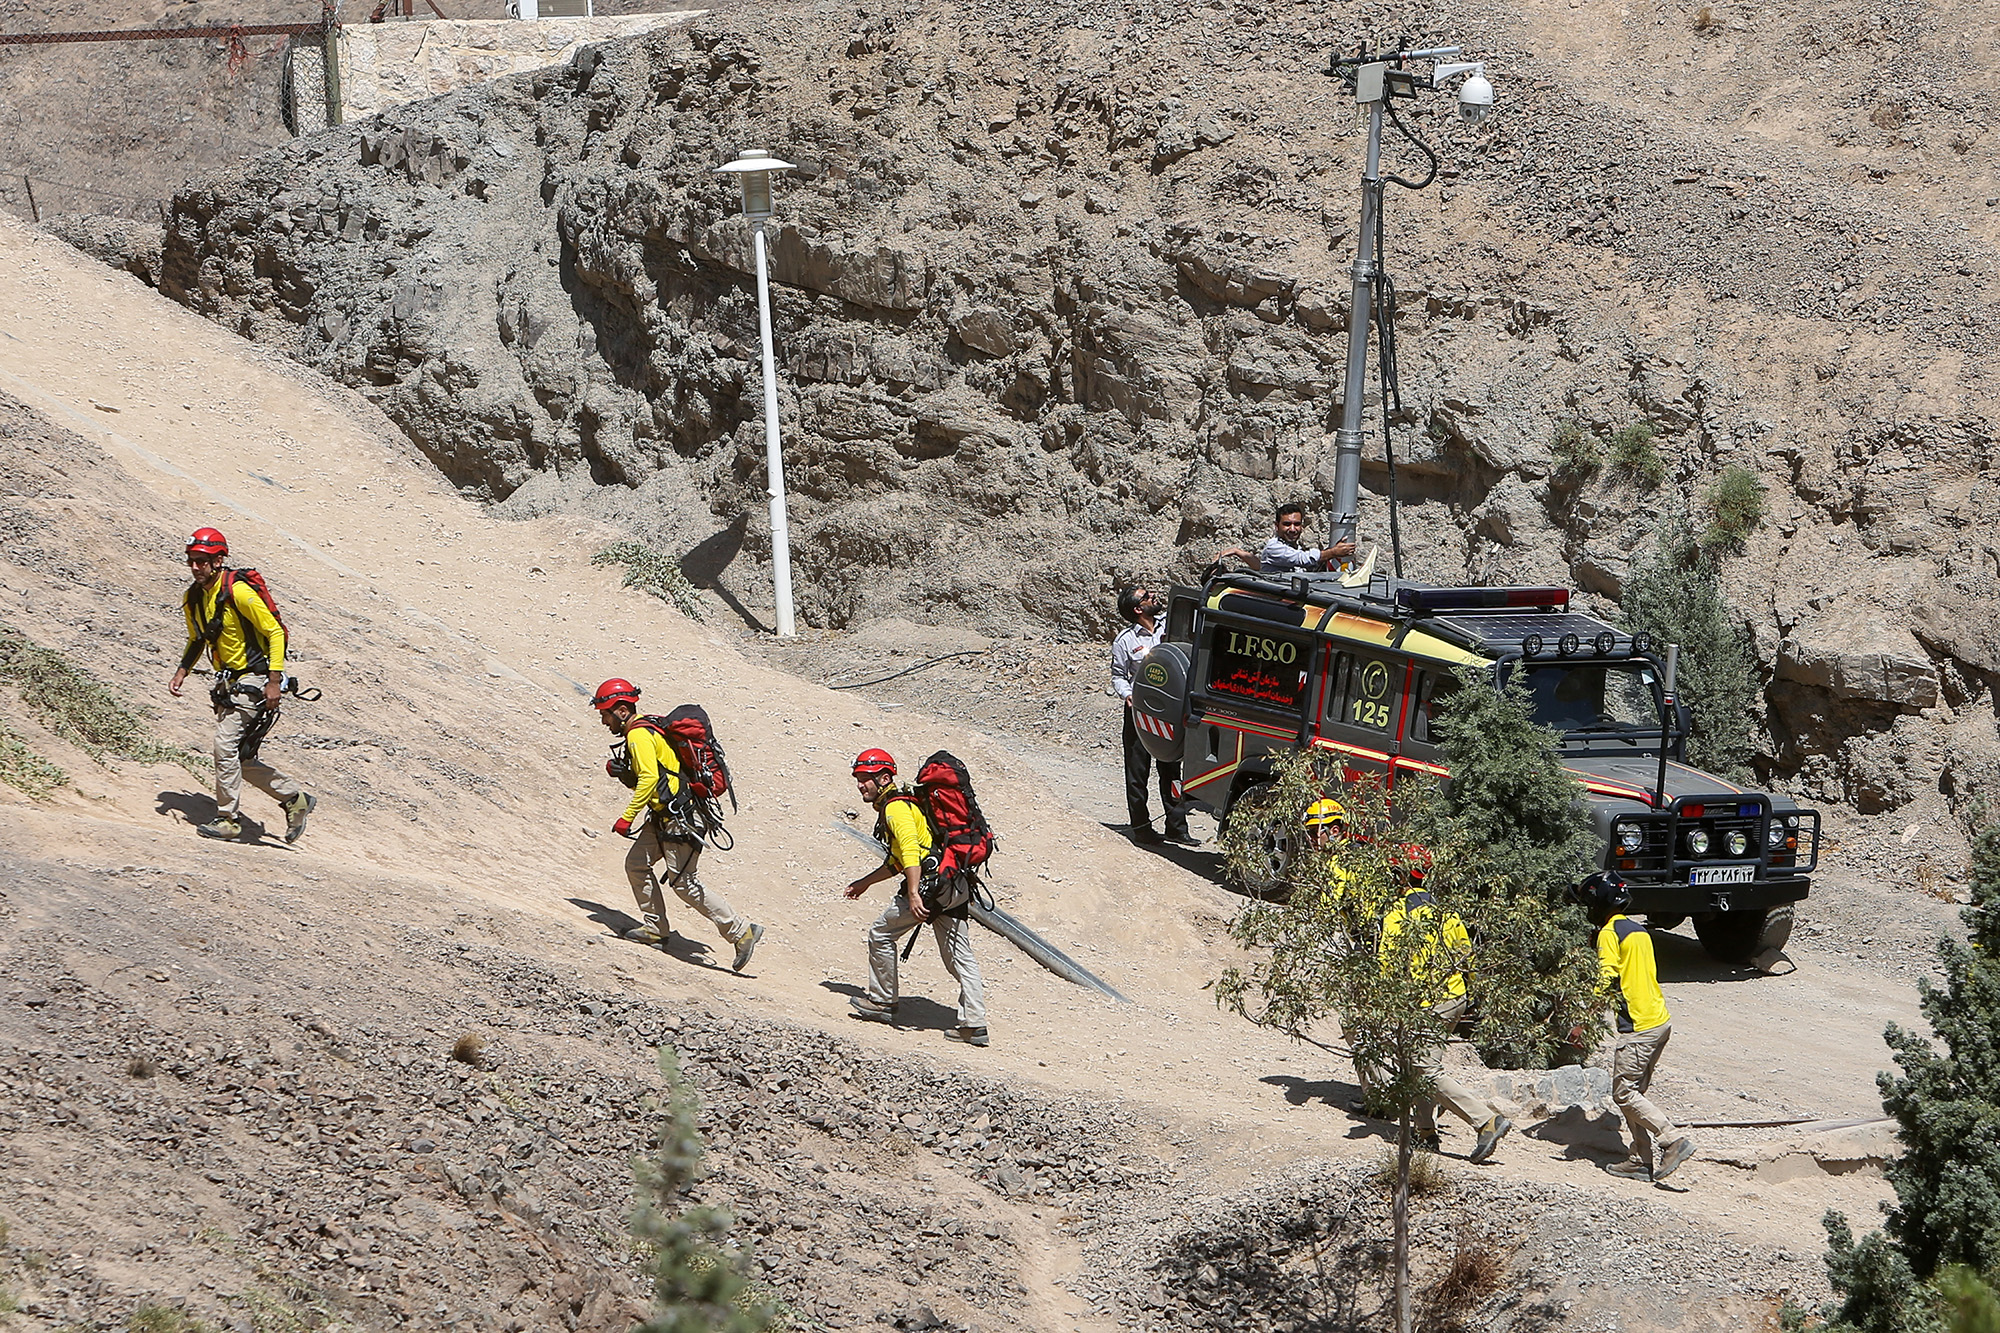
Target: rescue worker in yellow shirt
{"x": 908, "y": 833}
{"x": 1325, "y": 824}
{"x": 662, "y": 836}
{"x": 245, "y": 642}
{"x": 1439, "y": 953}
{"x": 1631, "y": 980}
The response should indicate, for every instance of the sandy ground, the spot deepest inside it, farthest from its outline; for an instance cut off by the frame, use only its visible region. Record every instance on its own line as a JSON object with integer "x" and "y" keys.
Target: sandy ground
{"x": 455, "y": 748}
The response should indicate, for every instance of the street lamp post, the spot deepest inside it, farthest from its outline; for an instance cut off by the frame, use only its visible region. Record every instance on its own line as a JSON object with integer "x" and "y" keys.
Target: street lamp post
{"x": 754, "y": 170}
{"x": 1376, "y": 79}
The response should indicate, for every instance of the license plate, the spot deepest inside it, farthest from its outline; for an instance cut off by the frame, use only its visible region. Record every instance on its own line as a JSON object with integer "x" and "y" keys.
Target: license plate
{"x": 1724, "y": 875}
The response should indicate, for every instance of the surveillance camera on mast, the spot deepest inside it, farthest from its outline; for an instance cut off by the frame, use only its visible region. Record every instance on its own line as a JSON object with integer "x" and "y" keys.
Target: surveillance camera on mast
{"x": 1378, "y": 78}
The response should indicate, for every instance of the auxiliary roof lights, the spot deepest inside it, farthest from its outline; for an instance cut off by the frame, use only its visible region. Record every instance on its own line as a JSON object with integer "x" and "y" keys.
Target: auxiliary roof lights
{"x": 1605, "y": 643}
{"x": 1642, "y": 642}
{"x": 1481, "y": 599}
{"x": 1531, "y": 645}
{"x": 1569, "y": 645}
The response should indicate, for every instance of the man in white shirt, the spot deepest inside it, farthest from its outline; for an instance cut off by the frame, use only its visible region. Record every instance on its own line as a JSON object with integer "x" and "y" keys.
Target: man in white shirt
{"x": 1142, "y": 609}
{"x": 1283, "y": 554}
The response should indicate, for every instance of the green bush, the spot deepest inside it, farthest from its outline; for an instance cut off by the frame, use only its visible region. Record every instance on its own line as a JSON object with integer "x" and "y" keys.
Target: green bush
{"x": 21, "y": 767}
{"x": 81, "y": 709}
{"x": 165, "y": 1319}
{"x": 1924, "y": 1269}
{"x": 1634, "y": 455}
{"x": 698, "y": 1285}
{"x": 1735, "y": 509}
{"x": 1578, "y": 454}
{"x": 654, "y": 572}
{"x": 1674, "y": 595}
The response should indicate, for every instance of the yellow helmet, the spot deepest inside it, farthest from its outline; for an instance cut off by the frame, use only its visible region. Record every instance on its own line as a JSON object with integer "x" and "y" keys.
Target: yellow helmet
{"x": 1325, "y": 811}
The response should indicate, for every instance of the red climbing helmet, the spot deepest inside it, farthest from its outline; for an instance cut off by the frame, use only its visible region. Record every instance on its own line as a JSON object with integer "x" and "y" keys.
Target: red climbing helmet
{"x": 612, "y": 693}
{"x": 1413, "y": 859}
{"x": 207, "y": 541}
{"x": 874, "y": 763}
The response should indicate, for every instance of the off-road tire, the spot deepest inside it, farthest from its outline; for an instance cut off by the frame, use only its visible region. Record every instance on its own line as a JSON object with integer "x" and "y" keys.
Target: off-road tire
{"x": 1737, "y": 937}
{"x": 1250, "y": 815}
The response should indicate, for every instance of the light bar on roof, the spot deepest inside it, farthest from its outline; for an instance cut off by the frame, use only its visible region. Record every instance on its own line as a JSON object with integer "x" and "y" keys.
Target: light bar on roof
{"x": 1480, "y": 599}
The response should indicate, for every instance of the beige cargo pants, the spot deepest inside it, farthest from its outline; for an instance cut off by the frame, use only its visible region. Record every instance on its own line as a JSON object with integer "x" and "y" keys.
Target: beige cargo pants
{"x": 954, "y": 943}
{"x": 232, "y": 719}
{"x": 678, "y": 858}
{"x": 1447, "y": 1091}
{"x": 1632, "y": 1063}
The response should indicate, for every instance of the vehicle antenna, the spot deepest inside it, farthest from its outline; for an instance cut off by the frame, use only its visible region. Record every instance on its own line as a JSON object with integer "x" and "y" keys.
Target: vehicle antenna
{"x": 1668, "y": 707}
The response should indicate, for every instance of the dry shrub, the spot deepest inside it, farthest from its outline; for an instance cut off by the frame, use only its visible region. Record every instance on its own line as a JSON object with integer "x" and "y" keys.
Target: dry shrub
{"x": 1427, "y": 1173}
{"x": 1706, "y": 20}
{"x": 141, "y": 1066}
{"x": 1473, "y": 1275}
{"x": 470, "y": 1049}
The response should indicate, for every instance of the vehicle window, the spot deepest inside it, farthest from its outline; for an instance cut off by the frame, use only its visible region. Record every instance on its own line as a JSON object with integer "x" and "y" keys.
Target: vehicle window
{"x": 1373, "y": 693}
{"x": 1594, "y": 696}
{"x": 1180, "y": 619}
{"x": 1435, "y": 687}
{"x": 1258, "y": 666}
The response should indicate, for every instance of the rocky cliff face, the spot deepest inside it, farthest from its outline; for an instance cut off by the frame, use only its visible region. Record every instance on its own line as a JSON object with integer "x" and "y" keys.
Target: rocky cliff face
{"x": 1059, "y": 299}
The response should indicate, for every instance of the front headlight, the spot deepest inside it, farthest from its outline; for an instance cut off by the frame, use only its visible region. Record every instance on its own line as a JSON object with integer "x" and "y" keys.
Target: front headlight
{"x": 1630, "y": 839}
{"x": 1774, "y": 836}
{"x": 1698, "y": 841}
{"x": 1738, "y": 842}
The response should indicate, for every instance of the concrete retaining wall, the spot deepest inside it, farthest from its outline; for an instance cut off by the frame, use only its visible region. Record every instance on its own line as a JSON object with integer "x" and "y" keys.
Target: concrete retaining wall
{"x": 386, "y": 64}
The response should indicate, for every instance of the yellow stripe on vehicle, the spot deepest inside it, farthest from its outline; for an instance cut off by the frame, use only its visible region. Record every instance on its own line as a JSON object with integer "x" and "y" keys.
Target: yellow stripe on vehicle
{"x": 1213, "y": 774}
{"x": 1253, "y": 728}
{"x": 1379, "y": 756}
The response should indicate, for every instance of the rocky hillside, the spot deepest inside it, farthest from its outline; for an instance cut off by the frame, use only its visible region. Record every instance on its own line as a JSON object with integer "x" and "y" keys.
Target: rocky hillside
{"x": 1060, "y": 298}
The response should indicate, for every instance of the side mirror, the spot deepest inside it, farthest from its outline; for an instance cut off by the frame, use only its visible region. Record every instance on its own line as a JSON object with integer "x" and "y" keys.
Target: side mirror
{"x": 1683, "y": 718}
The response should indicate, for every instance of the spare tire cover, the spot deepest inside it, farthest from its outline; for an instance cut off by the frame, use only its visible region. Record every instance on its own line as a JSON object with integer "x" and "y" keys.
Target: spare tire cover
{"x": 1159, "y": 700}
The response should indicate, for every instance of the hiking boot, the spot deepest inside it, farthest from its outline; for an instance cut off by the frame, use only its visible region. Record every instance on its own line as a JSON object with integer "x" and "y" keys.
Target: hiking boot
{"x": 1672, "y": 1155}
{"x": 1630, "y": 1169}
{"x": 1490, "y": 1135}
{"x": 1182, "y": 838}
{"x": 970, "y": 1036}
{"x": 646, "y": 932}
{"x": 1430, "y": 1142}
{"x": 220, "y": 827}
{"x": 871, "y": 1010}
{"x": 296, "y": 811}
{"x": 745, "y": 947}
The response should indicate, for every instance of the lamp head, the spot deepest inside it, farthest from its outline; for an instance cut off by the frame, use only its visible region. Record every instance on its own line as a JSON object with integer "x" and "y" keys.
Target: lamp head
{"x": 754, "y": 169}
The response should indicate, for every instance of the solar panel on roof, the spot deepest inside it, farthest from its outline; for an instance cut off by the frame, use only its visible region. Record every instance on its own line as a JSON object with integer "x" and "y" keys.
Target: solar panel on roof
{"x": 1512, "y": 627}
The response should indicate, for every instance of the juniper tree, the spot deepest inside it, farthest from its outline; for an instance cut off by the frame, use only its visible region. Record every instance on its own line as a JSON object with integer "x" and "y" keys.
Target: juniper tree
{"x": 698, "y": 1285}
{"x": 1674, "y": 595}
{"x": 1933, "y": 1263}
{"x": 1505, "y": 840}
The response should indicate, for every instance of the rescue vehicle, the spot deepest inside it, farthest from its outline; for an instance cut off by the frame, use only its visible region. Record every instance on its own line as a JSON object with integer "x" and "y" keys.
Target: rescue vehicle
{"x": 1252, "y": 666}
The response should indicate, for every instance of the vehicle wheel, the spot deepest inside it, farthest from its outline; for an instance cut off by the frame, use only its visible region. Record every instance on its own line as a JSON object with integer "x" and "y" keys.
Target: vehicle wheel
{"x": 1663, "y": 922}
{"x": 1737, "y": 937}
{"x": 1258, "y": 845}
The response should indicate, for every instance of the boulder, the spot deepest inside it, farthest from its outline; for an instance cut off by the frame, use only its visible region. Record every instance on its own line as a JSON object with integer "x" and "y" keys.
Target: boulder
{"x": 1858, "y": 651}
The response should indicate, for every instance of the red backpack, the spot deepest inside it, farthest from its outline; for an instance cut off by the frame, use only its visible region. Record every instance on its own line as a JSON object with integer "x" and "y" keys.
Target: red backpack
{"x": 961, "y": 839}
{"x": 704, "y": 767}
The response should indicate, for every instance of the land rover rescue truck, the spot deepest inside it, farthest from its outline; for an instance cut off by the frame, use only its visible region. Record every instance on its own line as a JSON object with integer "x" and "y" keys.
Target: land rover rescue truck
{"x": 1253, "y": 666}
